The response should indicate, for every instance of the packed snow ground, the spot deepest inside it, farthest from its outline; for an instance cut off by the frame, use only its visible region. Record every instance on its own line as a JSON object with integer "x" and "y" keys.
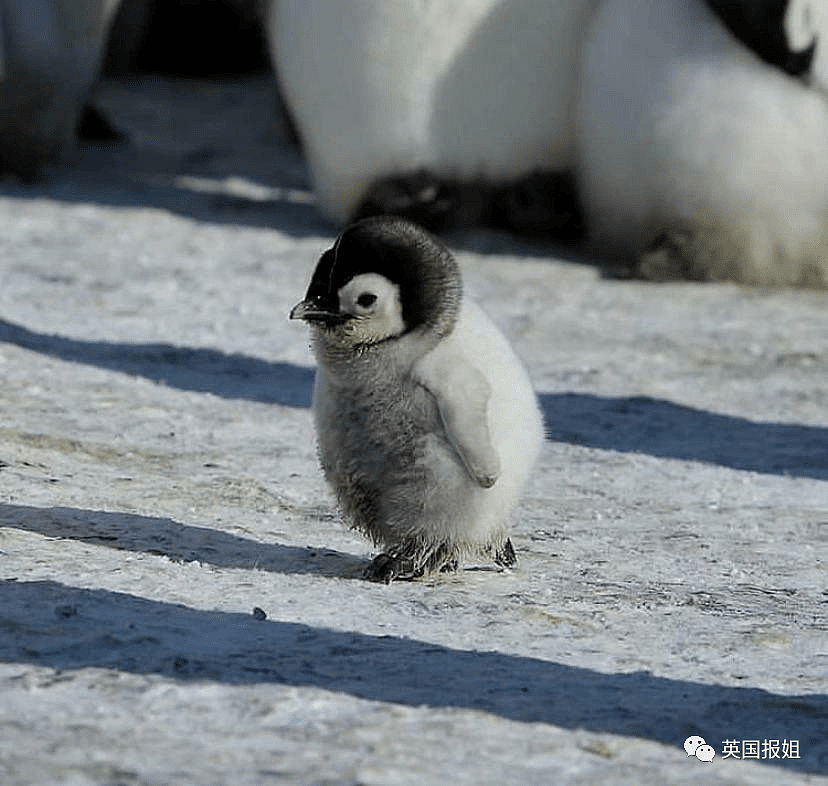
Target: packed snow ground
{"x": 180, "y": 604}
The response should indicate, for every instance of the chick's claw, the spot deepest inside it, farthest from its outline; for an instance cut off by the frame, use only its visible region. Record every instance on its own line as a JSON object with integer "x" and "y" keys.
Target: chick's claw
{"x": 385, "y": 568}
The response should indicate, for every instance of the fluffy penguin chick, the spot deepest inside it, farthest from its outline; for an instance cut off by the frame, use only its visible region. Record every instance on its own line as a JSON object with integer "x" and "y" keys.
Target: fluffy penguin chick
{"x": 428, "y": 426}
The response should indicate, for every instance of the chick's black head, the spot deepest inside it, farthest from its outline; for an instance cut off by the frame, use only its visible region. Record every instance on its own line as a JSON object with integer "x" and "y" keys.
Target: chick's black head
{"x": 410, "y": 258}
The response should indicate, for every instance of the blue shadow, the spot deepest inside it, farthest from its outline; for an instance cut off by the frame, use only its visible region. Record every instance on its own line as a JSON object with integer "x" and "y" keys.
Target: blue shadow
{"x": 639, "y": 424}
{"x": 227, "y": 375}
{"x": 178, "y": 542}
{"x": 635, "y": 424}
{"x": 45, "y": 623}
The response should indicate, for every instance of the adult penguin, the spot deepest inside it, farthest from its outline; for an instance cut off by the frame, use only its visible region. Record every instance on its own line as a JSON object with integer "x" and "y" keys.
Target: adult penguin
{"x": 428, "y": 108}
{"x": 700, "y": 157}
{"x": 805, "y": 25}
{"x": 50, "y": 53}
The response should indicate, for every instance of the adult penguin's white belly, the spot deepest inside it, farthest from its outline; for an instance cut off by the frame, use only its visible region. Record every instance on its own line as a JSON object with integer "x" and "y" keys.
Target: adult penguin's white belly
{"x": 469, "y": 89}
{"x": 50, "y": 51}
{"x": 695, "y": 158}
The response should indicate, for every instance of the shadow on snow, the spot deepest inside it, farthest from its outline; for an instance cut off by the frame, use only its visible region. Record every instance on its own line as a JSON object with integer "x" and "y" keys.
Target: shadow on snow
{"x": 178, "y": 542}
{"x": 640, "y": 424}
{"x": 628, "y": 424}
{"x": 48, "y": 624}
{"x": 202, "y": 370}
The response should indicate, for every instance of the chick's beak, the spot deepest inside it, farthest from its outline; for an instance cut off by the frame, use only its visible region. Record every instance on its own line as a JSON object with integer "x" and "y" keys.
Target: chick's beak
{"x": 314, "y": 310}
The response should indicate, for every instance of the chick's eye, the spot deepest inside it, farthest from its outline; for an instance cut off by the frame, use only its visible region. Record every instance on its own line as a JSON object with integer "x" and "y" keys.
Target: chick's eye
{"x": 366, "y": 299}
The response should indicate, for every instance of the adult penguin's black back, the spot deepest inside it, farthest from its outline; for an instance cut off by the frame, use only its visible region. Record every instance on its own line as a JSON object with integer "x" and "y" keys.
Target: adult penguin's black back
{"x": 760, "y": 26}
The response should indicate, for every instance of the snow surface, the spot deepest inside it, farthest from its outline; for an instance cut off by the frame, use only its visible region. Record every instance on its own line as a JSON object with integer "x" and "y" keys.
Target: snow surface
{"x": 158, "y": 483}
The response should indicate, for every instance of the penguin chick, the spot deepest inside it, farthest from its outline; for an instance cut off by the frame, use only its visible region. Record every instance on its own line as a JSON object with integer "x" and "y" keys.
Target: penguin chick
{"x": 427, "y": 423}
